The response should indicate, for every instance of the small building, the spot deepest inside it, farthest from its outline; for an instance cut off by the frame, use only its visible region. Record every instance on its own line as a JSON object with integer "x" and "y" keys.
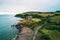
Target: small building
{"x": 29, "y": 17}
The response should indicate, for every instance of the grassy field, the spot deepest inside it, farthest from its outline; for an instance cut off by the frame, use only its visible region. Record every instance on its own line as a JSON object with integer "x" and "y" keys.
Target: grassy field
{"x": 45, "y": 15}
{"x": 36, "y": 20}
{"x": 51, "y": 29}
{"x": 55, "y": 19}
{"x": 53, "y": 34}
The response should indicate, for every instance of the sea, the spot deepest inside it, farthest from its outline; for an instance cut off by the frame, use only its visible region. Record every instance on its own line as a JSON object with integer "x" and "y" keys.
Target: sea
{"x": 6, "y": 31}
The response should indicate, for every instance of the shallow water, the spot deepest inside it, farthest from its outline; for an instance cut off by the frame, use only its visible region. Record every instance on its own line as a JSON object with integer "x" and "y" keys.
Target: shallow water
{"x": 6, "y": 31}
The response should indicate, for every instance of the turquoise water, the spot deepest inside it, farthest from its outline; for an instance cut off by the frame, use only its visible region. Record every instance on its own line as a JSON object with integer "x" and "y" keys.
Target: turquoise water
{"x": 6, "y": 31}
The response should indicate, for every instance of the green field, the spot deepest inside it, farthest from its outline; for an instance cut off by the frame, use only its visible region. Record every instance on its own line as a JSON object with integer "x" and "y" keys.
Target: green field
{"x": 53, "y": 34}
{"x": 55, "y": 19}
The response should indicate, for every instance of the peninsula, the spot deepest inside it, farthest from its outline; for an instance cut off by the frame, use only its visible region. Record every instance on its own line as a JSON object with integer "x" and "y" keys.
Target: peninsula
{"x": 39, "y": 26}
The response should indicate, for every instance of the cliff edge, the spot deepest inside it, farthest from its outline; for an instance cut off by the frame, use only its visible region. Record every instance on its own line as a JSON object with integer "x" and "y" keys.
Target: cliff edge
{"x": 25, "y": 34}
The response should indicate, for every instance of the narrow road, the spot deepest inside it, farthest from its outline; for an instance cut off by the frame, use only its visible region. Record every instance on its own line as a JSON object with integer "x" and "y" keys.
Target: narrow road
{"x": 37, "y": 29}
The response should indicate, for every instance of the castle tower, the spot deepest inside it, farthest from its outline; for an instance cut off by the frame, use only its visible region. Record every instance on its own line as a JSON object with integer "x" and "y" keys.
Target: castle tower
{"x": 29, "y": 17}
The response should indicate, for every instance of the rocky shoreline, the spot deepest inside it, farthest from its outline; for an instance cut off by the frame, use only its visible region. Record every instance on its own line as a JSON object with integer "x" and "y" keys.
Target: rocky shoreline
{"x": 25, "y": 34}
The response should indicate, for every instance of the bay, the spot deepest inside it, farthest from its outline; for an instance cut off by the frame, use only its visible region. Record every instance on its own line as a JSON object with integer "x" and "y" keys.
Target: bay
{"x": 6, "y": 31}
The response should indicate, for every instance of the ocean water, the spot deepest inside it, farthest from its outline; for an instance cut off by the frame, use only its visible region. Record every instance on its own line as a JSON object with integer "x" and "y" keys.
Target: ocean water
{"x": 6, "y": 31}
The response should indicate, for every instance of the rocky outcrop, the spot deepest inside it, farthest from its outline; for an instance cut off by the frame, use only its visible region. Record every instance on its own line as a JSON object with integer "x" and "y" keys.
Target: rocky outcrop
{"x": 25, "y": 34}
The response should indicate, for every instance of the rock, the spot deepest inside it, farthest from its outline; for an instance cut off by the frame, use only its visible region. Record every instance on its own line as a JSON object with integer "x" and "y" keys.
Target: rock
{"x": 25, "y": 34}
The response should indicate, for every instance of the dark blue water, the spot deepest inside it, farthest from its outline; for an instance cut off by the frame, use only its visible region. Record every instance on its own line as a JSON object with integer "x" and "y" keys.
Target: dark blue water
{"x": 6, "y": 31}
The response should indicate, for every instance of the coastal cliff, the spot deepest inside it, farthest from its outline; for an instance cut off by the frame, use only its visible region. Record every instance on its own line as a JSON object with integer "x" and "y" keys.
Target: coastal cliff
{"x": 29, "y": 28}
{"x": 25, "y": 34}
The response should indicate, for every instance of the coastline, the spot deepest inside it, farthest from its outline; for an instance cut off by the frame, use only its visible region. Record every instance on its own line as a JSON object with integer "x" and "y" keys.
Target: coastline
{"x": 26, "y": 33}
{"x": 14, "y": 38}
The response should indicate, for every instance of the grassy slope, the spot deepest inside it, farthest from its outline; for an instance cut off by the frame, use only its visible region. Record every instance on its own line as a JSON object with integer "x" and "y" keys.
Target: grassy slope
{"x": 55, "y": 19}
{"x": 52, "y": 30}
{"x": 53, "y": 34}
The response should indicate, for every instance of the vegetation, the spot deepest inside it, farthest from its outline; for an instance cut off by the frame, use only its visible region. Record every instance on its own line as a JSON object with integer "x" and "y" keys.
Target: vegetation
{"x": 55, "y": 19}
{"x": 36, "y": 19}
{"x": 27, "y": 23}
{"x": 45, "y": 15}
{"x": 50, "y": 31}
{"x": 53, "y": 35}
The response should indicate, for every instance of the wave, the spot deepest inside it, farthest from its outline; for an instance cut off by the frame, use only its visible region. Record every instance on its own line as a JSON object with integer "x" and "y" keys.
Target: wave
{"x": 15, "y": 37}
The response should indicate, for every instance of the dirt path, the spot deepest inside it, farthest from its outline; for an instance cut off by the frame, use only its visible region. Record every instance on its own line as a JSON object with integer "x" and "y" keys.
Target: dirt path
{"x": 25, "y": 34}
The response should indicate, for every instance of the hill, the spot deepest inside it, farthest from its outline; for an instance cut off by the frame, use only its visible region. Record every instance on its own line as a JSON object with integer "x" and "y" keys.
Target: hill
{"x": 50, "y": 31}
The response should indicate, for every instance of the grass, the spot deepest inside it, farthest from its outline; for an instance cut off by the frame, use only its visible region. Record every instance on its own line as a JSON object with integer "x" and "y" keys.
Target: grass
{"x": 53, "y": 34}
{"x": 45, "y": 15}
{"x": 36, "y": 19}
{"x": 55, "y": 19}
